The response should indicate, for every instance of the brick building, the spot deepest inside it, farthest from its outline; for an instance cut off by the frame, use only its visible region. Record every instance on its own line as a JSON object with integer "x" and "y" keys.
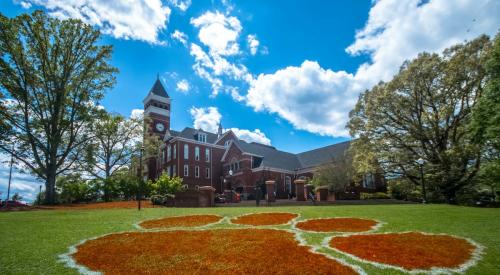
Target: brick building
{"x": 223, "y": 161}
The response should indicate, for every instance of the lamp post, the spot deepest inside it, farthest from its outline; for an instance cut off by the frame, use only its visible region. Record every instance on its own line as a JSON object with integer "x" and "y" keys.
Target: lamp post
{"x": 139, "y": 190}
{"x": 10, "y": 176}
{"x": 421, "y": 162}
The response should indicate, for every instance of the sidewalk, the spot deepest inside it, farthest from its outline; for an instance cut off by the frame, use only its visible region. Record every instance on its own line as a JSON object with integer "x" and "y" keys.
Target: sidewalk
{"x": 285, "y": 202}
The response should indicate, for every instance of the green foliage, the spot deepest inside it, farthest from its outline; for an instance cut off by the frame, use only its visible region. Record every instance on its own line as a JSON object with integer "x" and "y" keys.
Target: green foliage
{"x": 166, "y": 185}
{"x": 74, "y": 189}
{"x": 400, "y": 189}
{"x": 337, "y": 174}
{"x": 423, "y": 113}
{"x": 16, "y": 197}
{"x": 485, "y": 124}
{"x": 54, "y": 72}
{"x": 113, "y": 145}
{"x": 374, "y": 196}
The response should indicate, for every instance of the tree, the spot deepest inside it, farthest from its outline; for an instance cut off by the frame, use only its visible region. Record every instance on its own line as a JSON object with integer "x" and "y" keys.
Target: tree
{"x": 17, "y": 197}
{"x": 485, "y": 123}
{"x": 114, "y": 143}
{"x": 422, "y": 113}
{"x": 53, "y": 73}
{"x": 336, "y": 174}
{"x": 74, "y": 188}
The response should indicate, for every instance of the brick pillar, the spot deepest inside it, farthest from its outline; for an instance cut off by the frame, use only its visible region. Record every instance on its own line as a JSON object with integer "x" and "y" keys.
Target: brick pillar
{"x": 299, "y": 190}
{"x": 322, "y": 193}
{"x": 207, "y": 196}
{"x": 270, "y": 191}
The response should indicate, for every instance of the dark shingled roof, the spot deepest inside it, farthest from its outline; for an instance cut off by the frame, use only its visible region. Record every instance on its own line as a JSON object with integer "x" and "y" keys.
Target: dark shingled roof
{"x": 158, "y": 89}
{"x": 191, "y": 133}
{"x": 323, "y": 155}
{"x": 271, "y": 157}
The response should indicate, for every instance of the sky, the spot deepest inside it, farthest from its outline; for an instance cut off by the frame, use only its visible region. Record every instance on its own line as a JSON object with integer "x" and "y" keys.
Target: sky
{"x": 284, "y": 73}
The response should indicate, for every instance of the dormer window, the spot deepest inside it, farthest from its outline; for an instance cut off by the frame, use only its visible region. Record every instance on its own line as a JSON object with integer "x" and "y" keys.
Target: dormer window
{"x": 202, "y": 137}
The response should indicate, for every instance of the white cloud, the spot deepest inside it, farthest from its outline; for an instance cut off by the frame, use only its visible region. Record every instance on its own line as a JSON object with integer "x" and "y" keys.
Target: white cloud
{"x": 183, "y": 86}
{"x": 180, "y": 4}
{"x": 180, "y": 36}
{"x": 24, "y": 184}
{"x": 310, "y": 97}
{"x": 137, "y": 113}
{"x": 214, "y": 67}
{"x": 218, "y": 32}
{"x": 318, "y": 100}
{"x": 209, "y": 118}
{"x": 24, "y": 4}
{"x": 127, "y": 19}
{"x": 251, "y": 136}
{"x": 253, "y": 43}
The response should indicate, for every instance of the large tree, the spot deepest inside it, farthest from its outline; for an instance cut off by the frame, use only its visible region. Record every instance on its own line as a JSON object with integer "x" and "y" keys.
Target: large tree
{"x": 422, "y": 113}
{"x": 485, "y": 124}
{"x": 115, "y": 142}
{"x": 53, "y": 73}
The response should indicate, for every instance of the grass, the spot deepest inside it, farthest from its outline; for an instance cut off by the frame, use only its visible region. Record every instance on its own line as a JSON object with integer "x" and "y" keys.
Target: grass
{"x": 31, "y": 241}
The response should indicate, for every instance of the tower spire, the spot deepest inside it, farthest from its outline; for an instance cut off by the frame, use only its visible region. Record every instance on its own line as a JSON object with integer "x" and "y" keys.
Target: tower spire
{"x": 219, "y": 131}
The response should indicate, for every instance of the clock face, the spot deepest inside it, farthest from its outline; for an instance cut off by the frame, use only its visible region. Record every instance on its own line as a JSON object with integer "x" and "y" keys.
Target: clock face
{"x": 160, "y": 127}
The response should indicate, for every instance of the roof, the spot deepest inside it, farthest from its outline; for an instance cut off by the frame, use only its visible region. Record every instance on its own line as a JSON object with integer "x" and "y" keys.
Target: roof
{"x": 191, "y": 133}
{"x": 158, "y": 89}
{"x": 323, "y": 155}
{"x": 271, "y": 156}
{"x": 283, "y": 160}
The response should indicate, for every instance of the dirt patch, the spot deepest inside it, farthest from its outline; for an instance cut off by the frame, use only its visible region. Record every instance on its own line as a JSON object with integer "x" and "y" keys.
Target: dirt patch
{"x": 182, "y": 221}
{"x": 411, "y": 250}
{"x": 265, "y": 219}
{"x": 103, "y": 205}
{"x": 337, "y": 225}
{"x": 223, "y": 251}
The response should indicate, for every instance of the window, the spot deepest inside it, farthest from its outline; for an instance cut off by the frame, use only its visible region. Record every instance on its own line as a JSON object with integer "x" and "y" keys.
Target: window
{"x": 207, "y": 154}
{"x": 207, "y": 173}
{"x": 288, "y": 184}
{"x": 169, "y": 152}
{"x": 186, "y": 170}
{"x": 169, "y": 172}
{"x": 186, "y": 151}
{"x": 196, "y": 171}
{"x": 174, "y": 171}
{"x": 202, "y": 137}
{"x": 196, "y": 153}
{"x": 226, "y": 144}
{"x": 175, "y": 151}
{"x": 163, "y": 156}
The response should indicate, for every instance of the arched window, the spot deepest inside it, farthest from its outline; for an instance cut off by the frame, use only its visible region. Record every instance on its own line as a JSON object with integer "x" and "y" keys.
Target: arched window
{"x": 186, "y": 151}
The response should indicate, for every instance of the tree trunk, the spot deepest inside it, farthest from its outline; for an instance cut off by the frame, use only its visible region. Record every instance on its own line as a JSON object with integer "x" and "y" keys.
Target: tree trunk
{"x": 50, "y": 189}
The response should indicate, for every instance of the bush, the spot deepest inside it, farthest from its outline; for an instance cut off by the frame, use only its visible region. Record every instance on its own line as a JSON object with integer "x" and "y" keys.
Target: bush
{"x": 374, "y": 196}
{"x": 400, "y": 189}
{"x": 166, "y": 185}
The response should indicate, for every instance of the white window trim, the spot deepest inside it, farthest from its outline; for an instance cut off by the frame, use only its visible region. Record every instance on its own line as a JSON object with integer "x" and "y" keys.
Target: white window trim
{"x": 207, "y": 154}
{"x": 207, "y": 173}
{"x": 186, "y": 151}
{"x": 186, "y": 170}
{"x": 197, "y": 171}
{"x": 197, "y": 153}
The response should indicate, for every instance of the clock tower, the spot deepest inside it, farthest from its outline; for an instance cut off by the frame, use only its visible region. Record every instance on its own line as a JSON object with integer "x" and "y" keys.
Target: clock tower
{"x": 157, "y": 108}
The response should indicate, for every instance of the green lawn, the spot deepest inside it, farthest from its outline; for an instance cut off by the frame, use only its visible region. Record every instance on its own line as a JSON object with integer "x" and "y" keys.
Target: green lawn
{"x": 31, "y": 241}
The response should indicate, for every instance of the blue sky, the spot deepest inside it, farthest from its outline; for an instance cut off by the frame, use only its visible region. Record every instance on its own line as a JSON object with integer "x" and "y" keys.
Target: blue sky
{"x": 279, "y": 72}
